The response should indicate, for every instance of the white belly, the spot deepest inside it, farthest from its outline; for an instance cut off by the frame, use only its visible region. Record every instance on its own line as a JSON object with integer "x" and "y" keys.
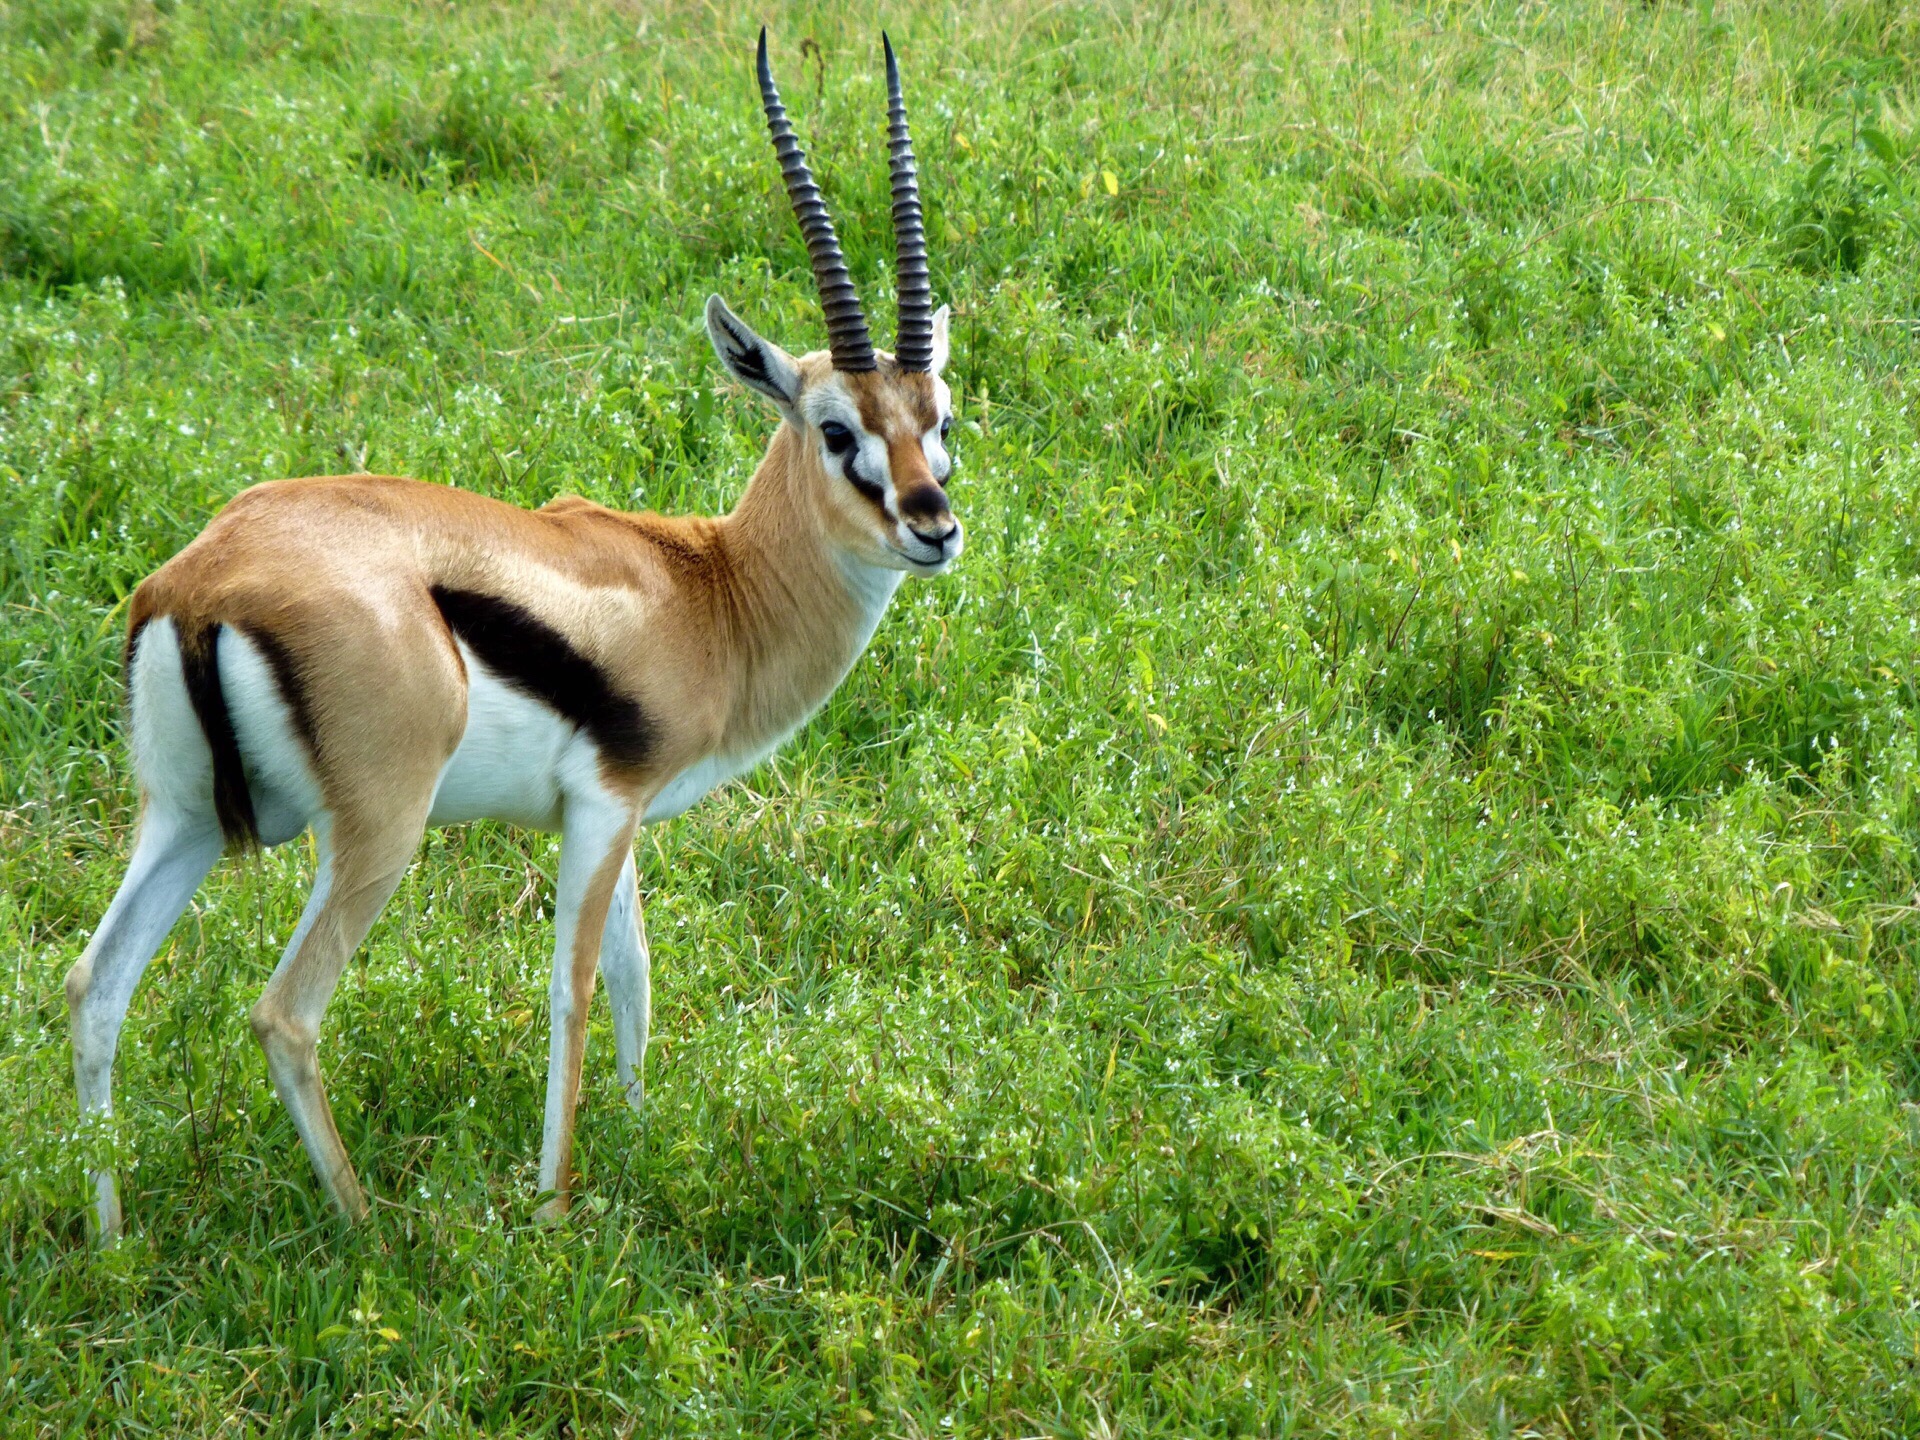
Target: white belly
{"x": 515, "y": 760}
{"x": 518, "y": 760}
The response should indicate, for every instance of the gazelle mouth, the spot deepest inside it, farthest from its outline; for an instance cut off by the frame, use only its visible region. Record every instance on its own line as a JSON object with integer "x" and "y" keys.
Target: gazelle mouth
{"x": 939, "y": 557}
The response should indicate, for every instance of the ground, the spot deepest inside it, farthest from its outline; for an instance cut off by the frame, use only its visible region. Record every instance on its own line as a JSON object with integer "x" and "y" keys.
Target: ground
{"x": 1378, "y": 898}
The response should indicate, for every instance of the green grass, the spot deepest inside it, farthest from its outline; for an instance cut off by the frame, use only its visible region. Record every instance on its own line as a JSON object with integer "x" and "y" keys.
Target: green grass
{"x": 1379, "y": 899}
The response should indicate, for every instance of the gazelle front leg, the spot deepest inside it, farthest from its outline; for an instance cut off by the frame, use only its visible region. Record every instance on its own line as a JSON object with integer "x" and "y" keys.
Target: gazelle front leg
{"x": 623, "y": 964}
{"x": 596, "y": 844}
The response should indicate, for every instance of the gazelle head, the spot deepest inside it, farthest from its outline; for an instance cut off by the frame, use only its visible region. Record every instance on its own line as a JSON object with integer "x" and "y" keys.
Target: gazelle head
{"x": 871, "y": 427}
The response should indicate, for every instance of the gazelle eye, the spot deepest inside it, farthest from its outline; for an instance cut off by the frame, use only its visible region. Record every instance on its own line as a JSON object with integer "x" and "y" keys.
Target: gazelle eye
{"x": 838, "y": 437}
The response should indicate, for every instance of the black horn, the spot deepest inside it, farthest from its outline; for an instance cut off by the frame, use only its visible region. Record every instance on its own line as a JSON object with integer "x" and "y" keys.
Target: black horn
{"x": 846, "y": 322}
{"x": 915, "y": 346}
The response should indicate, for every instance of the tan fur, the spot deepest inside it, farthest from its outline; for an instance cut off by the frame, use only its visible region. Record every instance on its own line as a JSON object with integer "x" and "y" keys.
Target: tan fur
{"x": 727, "y": 632}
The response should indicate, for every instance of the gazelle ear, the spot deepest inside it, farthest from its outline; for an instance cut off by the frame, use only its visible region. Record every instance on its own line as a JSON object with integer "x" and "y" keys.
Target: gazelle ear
{"x": 939, "y": 362}
{"x": 756, "y": 363}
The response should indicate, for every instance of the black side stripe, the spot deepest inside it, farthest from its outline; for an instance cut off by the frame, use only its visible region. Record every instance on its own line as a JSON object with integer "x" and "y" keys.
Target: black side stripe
{"x": 200, "y": 664}
{"x": 535, "y": 659}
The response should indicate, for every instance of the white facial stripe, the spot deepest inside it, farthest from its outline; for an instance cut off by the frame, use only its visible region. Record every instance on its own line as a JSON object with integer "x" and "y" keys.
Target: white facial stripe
{"x": 837, "y": 409}
{"x": 935, "y": 447}
{"x": 869, "y": 453}
{"x": 875, "y": 466}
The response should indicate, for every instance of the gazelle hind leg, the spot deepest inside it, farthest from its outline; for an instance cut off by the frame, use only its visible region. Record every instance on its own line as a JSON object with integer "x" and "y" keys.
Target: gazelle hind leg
{"x": 596, "y": 842}
{"x": 357, "y": 874}
{"x": 170, "y": 858}
{"x": 624, "y": 966}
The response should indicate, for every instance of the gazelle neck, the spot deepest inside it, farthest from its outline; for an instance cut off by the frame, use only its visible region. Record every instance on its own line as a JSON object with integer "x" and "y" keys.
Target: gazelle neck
{"x": 800, "y": 608}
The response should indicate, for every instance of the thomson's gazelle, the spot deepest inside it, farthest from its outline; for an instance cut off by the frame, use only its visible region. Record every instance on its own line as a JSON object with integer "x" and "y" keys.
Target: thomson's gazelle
{"x": 366, "y": 656}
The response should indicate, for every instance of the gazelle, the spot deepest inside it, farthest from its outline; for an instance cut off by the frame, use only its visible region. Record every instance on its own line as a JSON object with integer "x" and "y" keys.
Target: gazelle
{"x": 365, "y": 656}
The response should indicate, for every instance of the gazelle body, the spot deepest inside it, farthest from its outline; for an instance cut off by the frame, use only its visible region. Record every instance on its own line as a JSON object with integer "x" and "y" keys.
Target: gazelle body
{"x": 366, "y": 656}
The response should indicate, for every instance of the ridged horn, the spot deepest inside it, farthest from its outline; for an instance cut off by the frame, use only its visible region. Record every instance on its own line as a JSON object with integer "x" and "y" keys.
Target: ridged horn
{"x": 915, "y": 346}
{"x": 846, "y": 323}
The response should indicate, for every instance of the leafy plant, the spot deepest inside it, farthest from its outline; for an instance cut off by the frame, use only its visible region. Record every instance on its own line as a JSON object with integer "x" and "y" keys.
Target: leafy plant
{"x": 1835, "y": 207}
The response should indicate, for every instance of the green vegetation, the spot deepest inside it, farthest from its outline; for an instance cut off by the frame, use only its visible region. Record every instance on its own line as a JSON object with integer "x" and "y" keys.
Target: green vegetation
{"x": 1379, "y": 899}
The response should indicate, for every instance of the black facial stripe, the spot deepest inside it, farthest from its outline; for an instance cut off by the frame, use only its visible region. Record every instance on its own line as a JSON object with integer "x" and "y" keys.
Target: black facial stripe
{"x": 875, "y": 493}
{"x": 536, "y": 660}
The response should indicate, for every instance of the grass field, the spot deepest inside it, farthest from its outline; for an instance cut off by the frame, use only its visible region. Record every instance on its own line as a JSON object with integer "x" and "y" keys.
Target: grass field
{"x": 1378, "y": 900}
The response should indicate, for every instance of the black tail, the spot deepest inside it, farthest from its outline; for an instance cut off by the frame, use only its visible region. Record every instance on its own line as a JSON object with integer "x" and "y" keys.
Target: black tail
{"x": 232, "y": 801}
